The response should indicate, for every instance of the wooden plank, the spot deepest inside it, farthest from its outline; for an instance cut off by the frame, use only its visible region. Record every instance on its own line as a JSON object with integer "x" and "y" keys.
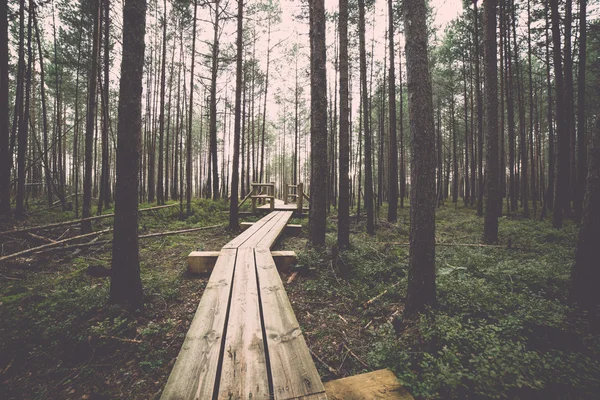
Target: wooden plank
{"x": 293, "y": 370}
{"x": 271, "y": 236}
{"x": 381, "y": 384}
{"x": 239, "y": 240}
{"x": 290, "y": 229}
{"x": 202, "y": 262}
{"x": 194, "y": 373}
{"x": 264, "y": 230}
{"x": 244, "y": 370}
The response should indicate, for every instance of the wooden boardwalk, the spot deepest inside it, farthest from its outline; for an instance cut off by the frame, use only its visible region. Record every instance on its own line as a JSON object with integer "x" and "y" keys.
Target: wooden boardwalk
{"x": 281, "y": 206}
{"x": 244, "y": 341}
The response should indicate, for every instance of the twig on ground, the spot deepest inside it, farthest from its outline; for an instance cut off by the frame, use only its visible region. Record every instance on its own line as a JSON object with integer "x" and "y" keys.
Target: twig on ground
{"x": 372, "y": 300}
{"x": 331, "y": 369}
{"x": 357, "y": 357}
{"x": 121, "y": 339}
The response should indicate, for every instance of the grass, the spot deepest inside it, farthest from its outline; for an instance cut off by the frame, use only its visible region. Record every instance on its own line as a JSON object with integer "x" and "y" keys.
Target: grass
{"x": 503, "y": 328}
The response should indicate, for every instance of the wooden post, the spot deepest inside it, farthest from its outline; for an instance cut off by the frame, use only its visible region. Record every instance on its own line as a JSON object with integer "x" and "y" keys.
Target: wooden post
{"x": 299, "y": 197}
{"x": 272, "y": 196}
{"x": 285, "y": 194}
{"x": 253, "y": 197}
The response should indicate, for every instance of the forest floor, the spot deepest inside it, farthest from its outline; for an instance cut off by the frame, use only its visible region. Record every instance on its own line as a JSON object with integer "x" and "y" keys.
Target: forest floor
{"x": 503, "y": 328}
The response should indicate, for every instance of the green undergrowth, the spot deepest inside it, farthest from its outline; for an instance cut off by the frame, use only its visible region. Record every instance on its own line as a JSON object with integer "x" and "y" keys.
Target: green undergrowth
{"x": 503, "y": 327}
{"x": 59, "y": 338}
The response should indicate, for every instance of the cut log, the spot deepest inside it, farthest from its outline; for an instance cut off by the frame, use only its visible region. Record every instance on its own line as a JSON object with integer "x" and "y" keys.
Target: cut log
{"x": 284, "y": 260}
{"x": 381, "y": 384}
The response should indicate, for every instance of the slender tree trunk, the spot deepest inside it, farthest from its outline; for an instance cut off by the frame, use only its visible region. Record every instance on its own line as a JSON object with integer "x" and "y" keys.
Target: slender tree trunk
{"x": 492, "y": 186}
{"x": 213, "y": 106}
{"x": 421, "y": 291}
{"x": 89, "y": 129}
{"x": 569, "y": 104}
{"x": 19, "y": 112}
{"x": 368, "y": 190}
{"x": 344, "y": 143}
{"x": 581, "y": 126}
{"x": 190, "y": 116}
{"x": 318, "y": 140}
{"x": 160, "y": 195}
{"x": 561, "y": 192}
{"x": 5, "y": 156}
{"x": 479, "y": 114}
{"x": 549, "y": 203}
{"x": 393, "y": 148}
{"x": 235, "y": 178}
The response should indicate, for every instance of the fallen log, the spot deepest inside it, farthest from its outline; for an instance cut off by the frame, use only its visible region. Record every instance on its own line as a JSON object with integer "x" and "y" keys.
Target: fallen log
{"x": 48, "y": 245}
{"x": 75, "y": 221}
{"x": 149, "y": 235}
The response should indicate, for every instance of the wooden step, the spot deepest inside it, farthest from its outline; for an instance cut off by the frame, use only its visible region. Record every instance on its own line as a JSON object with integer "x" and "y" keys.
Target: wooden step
{"x": 290, "y": 229}
{"x": 203, "y": 262}
{"x": 381, "y": 384}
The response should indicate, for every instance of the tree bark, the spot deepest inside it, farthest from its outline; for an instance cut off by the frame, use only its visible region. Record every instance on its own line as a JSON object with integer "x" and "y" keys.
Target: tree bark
{"x": 492, "y": 186}
{"x": 235, "y": 177}
{"x": 344, "y": 141}
{"x": 393, "y": 147}
{"x": 5, "y": 155}
{"x": 581, "y": 134}
{"x": 318, "y": 125}
{"x": 188, "y": 143}
{"x": 126, "y": 285}
{"x": 90, "y": 117}
{"x": 160, "y": 191}
{"x": 421, "y": 291}
{"x": 213, "y": 106}
{"x": 368, "y": 188}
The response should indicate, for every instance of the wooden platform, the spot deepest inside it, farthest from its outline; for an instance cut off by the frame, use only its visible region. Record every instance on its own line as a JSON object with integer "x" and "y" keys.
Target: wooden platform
{"x": 281, "y": 206}
{"x": 244, "y": 341}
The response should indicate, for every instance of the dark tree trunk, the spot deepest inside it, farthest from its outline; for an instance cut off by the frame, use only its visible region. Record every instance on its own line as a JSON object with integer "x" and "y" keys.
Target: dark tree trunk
{"x": 19, "y": 112}
{"x": 89, "y": 126}
{"x": 126, "y": 285}
{"x": 188, "y": 170}
{"x": 213, "y": 106}
{"x": 549, "y": 203}
{"x": 318, "y": 125}
{"x": 561, "y": 187}
{"x": 569, "y": 103}
{"x": 104, "y": 199}
{"x": 492, "y": 186}
{"x": 393, "y": 148}
{"x": 368, "y": 189}
{"x": 344, "y": 142}
{"x": 421, "y": 291}
{"x": 235, "y": 177}
{"x": 585, "y": 275}
{"x": 581, "y": 134}
{"x": 160, "y": 191}
{"x": 5, "y": 156}
{"x": 479, "y": 115}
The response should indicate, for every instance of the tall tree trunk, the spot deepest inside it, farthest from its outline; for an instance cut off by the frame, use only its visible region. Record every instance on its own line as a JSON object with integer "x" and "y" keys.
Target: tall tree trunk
{"x": 19, "y": 112}
{"x": 190, "y": 116}
{"x": 581, "y": 134}
{"x": 585, "y": 275}
{"x": 5, "y": 156}
{"x": 235, "y": 177}
{"x": 368, "y": 190}
{"x": 492, "y": 186}
{"x": 160, "y": 195}
{"x": 126, "y": 285}
{"x": 421, "y": 291}
{"x": 318, "y": 125}
{"x": 89, "y": 126}
{"x": 569, "y": 104}
{"x": 105, "y": 179}
{"x": 561, "y": 192}
{"x": 393, "y": 148}
{"x": 344, "y": 142}
{"x": 531, "y": 106}
{"x": 213, "y": 106}
{"x": 549, "y": 203}
{"x": 401, "y": 124}
{"x": 264, "y": 119}
{"x": 479, "y": 114}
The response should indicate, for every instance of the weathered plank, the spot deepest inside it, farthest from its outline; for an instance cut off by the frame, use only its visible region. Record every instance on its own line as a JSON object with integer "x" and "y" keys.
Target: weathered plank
{"x": 381, "y": 384}
{"x": 193, "y": 376}
{"x": 293, "y": 370}
{"x": 274, "y": 223}
{"x": 284, "y": 260}
{"x": 290, "y": 229}
{"x": 248, "y": 233}
{"x": 265, "y": 238}
{"x": 244, "y": 367}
